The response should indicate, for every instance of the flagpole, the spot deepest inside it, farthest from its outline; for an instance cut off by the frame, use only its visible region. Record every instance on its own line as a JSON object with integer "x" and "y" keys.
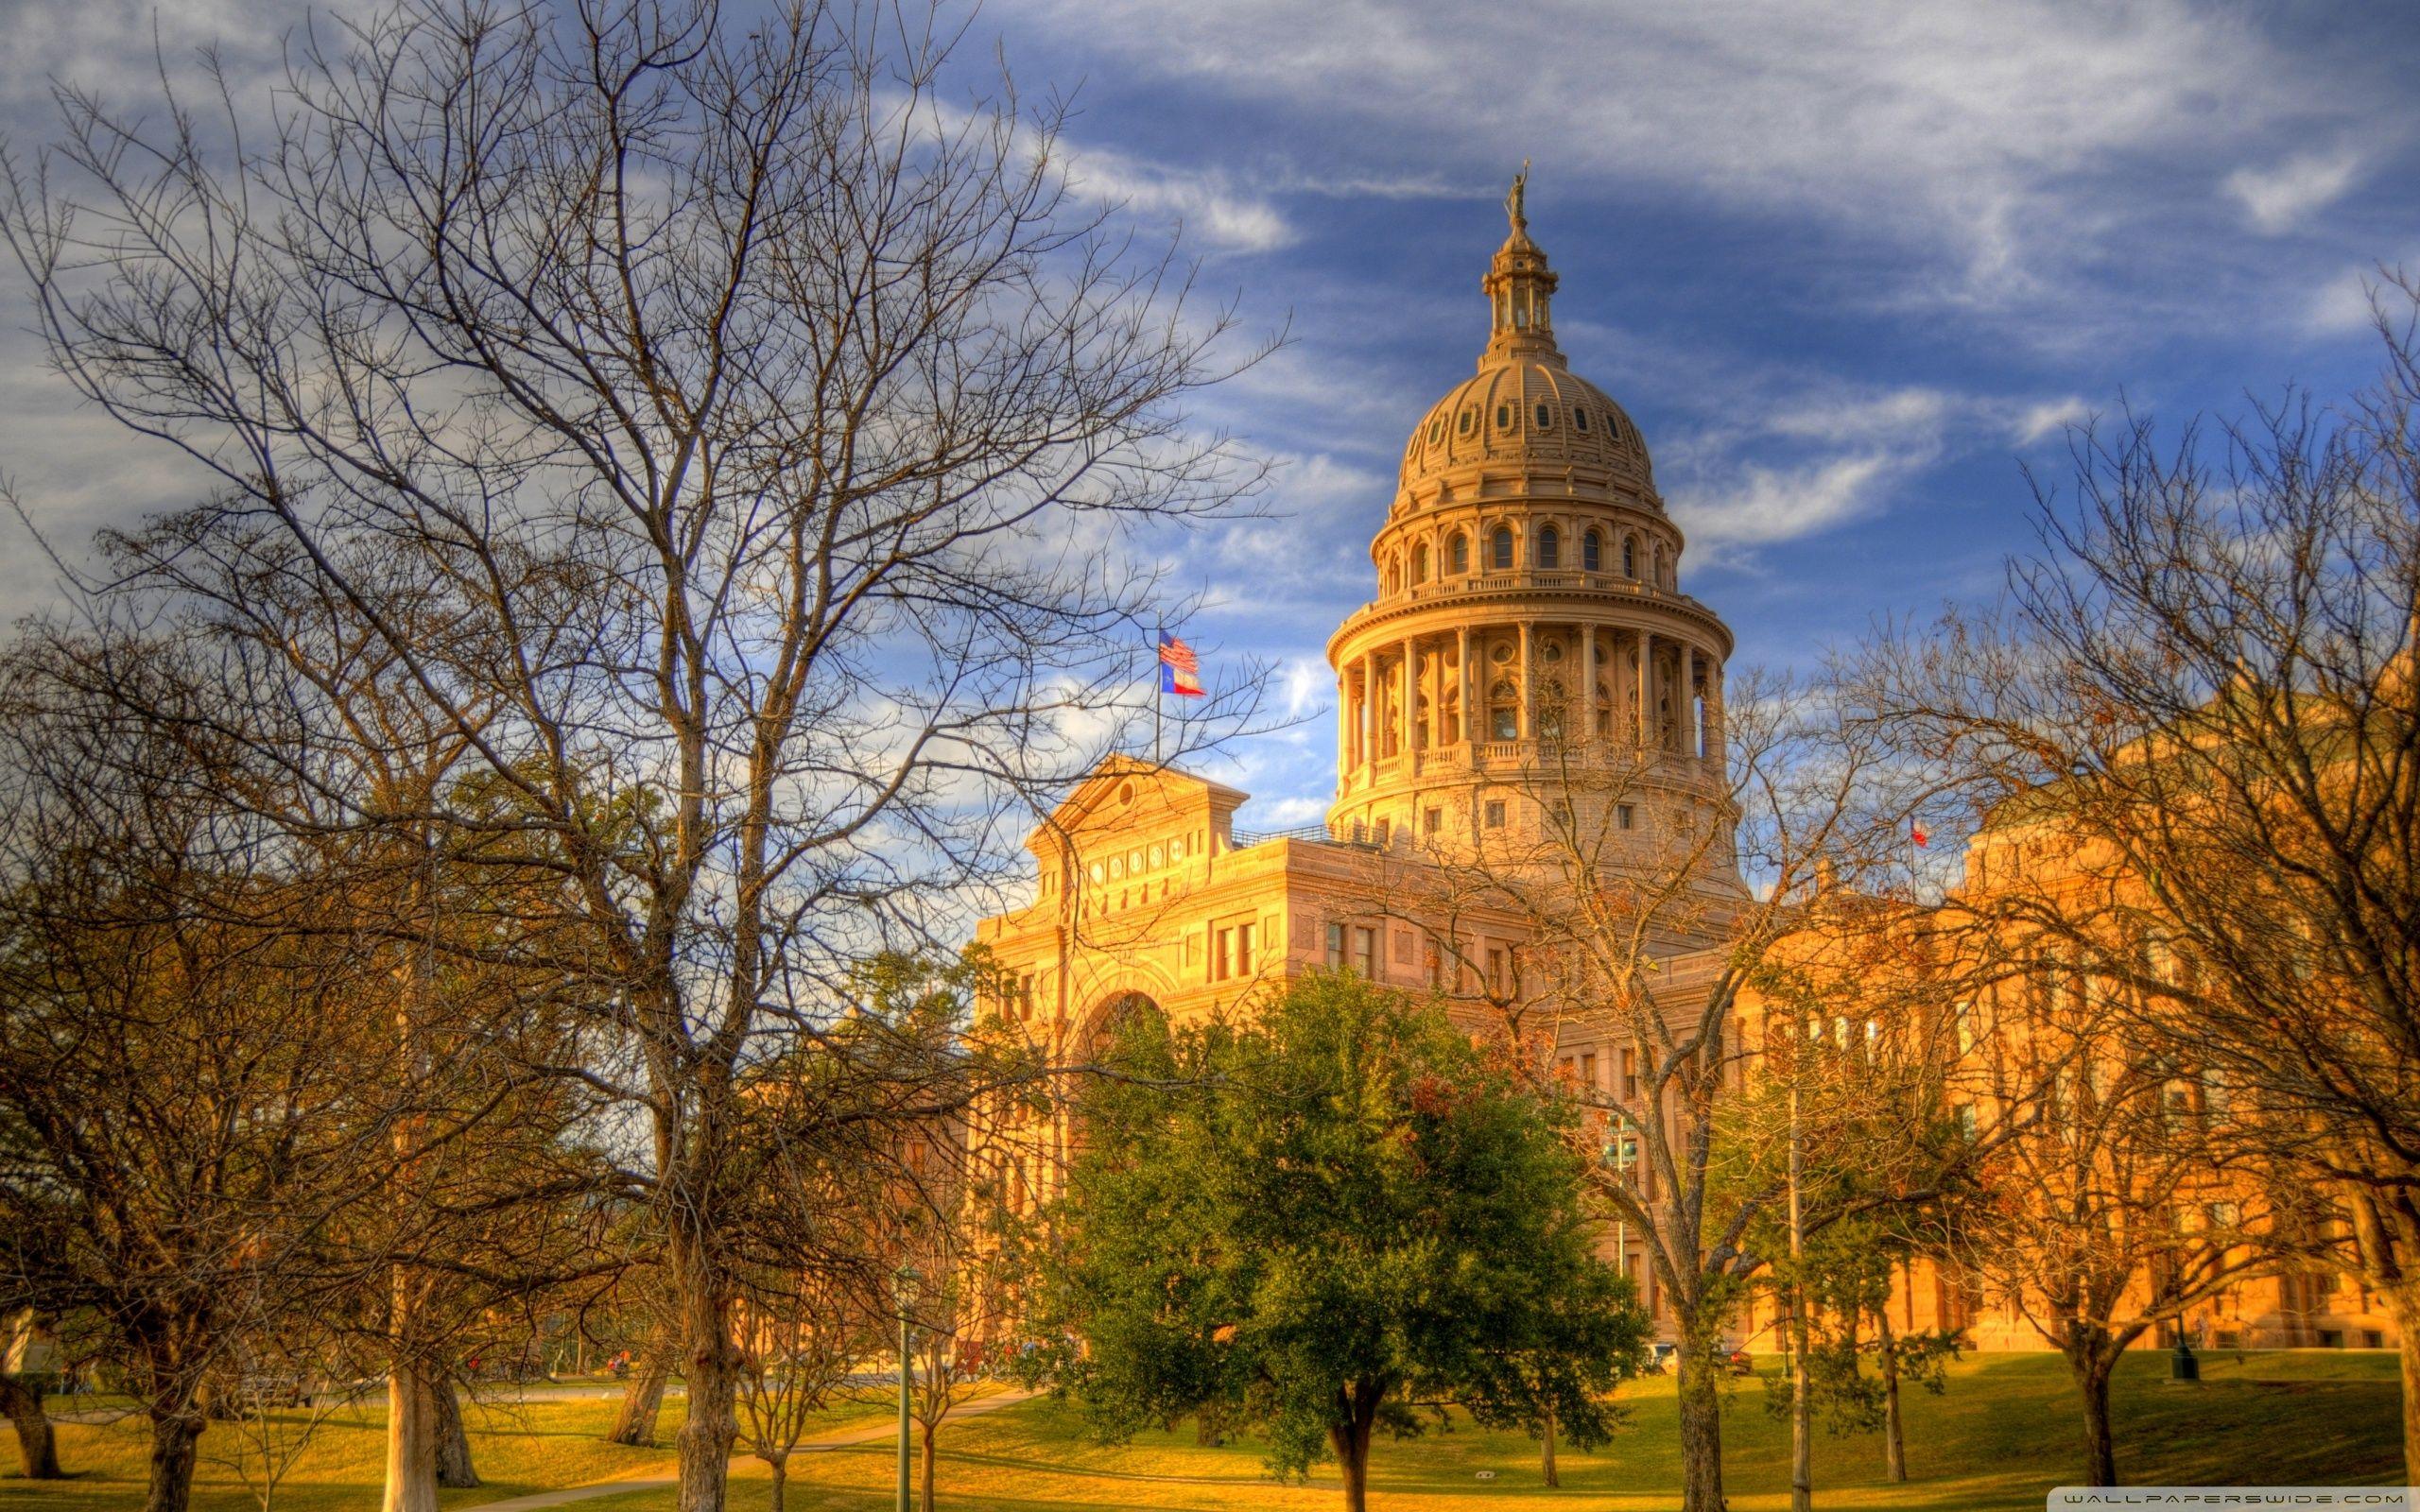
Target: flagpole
{"x": 1159, "y": 676}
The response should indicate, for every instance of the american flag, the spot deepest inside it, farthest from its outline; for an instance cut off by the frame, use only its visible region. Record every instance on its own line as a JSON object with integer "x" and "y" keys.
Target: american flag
{"x": 1180, "y": 669}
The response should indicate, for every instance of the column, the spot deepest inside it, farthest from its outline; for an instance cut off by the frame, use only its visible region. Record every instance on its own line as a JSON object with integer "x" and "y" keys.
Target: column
{"x": 1463, "y": 678}
{"x": 1642, "y": 658}
{"x": 1343, "y": 724}
{"x": 1521, "y": 730}
{"x": 1407, "y": 717}
{"x": 1588, "y": 682}
{"x": 1713, "y": 737}
{"x": 1369, "y": 712}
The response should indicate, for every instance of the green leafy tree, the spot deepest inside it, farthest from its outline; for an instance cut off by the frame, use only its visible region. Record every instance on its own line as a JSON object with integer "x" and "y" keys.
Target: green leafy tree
{"x": 1339, "y": 1217}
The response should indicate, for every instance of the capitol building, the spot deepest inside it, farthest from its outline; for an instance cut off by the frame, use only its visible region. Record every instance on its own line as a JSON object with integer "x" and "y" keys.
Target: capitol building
{"x": 1530, "y": 669}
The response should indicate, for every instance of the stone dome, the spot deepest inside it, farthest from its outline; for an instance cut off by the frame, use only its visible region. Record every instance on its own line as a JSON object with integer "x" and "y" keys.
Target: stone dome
{"x": 1527, "y": 411}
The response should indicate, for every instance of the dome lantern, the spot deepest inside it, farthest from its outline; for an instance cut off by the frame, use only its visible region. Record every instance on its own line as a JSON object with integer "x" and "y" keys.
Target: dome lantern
{"x": 1519, "y": 288}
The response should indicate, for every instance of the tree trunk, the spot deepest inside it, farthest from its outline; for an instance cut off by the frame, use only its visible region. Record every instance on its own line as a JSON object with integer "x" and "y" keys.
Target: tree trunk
{"x": 2100, "y": 1450}
{"x": 928, "y": 1468}
{"x": 1546, "y": 1450}
{"x": 1802, "y": 1408}
{"x": 35, "y": 1441}
{"x": 1700, "y": 1409}
{"x": 635, "y": 1423}
{"x": 712, "y": 1365}
{"x": 2403, "y": 1304}
{"x": 1895, "y": 1440}
{"x": 412, "y": 1445}
{"x": 781, "y": 1464}
{"x": 1349, "y": 1436}
{"x": 454, "y": 1469}
{"x": 173, "y": 1435}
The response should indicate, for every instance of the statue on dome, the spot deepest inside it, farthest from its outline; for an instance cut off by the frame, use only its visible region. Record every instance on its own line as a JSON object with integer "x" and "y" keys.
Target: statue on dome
{"x": 1517, "y": 203}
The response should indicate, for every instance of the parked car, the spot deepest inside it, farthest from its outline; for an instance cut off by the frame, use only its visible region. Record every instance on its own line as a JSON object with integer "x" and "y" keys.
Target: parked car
{"x": 1738, "y": 1363}
{"x": 1662, "y": 1358}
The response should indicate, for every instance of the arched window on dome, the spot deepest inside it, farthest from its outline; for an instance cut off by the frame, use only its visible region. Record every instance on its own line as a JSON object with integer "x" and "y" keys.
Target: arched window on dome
{"x": 1545, "y": 417}
{"x": 1659, "y": 568}
{"x": 1436, "y": 430}
{"x": 1457, "y": 554}
{"x": 1580, "y": 417}
{"x": 1503, "y": 416}
{"x": 1550, "y": 549}
{"x": 1630, "y": 558}
{"x": 1504, "y": 710}
{"x": 1465, "y": 424}
{"x": 1420, "y": 564}
{"x": 1592, "y": 553}
{"x": 1499, "y": 550}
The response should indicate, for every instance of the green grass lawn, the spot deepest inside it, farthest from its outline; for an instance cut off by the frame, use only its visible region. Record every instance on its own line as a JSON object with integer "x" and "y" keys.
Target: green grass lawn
{"x": 518, "y": 1448}
{"x": 2003, "y": 1434}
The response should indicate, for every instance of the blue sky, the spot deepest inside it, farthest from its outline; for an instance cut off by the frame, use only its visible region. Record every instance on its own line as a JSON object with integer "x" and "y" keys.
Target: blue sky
{"x": 1847, "y": 266}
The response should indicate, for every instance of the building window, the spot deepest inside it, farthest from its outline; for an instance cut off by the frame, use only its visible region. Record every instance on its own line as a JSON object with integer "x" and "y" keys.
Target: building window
{"x": 1437, "y": 431}
{"x": 1233, "y": 957}
{"x": 1543, "y": 422}
{"x": 1630, "y": 558}
{"x": 1499, "y": 549}
{"x": 1464, "y": 424}
{"x": 1336, "y": 946}
{"x": 1581, "y": 417}
{"x": 1625, "y": 816}
{"x": 1432, "y": 820}
{"x": 1592, "y": 553}
{"x": 1503, "y": 416}
{"x": 1420, "y": 564}
{"x": 1365, "y": 950}
{"x": 1588, "y": 1072}
{"x": 1457, "y": 554}
{"x": 1496, "y": 814}
{"x": 1385, "y": 830}
{"x": 1550, "y": 548}
{"x": 1504, "y": 711}
{"x": 1630, "y": 1076}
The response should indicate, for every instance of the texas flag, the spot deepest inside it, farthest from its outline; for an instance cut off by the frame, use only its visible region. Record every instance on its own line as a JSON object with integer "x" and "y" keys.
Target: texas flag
{"x": 1916, "y": 833}
{"x": 1180, "y": 669}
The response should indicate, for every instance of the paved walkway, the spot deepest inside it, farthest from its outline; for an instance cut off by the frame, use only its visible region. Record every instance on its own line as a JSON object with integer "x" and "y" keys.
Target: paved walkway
{"x": 569, "y": 1494}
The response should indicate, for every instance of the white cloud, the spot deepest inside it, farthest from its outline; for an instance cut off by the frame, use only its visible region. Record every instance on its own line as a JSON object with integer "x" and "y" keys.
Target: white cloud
{"x": 1213, "y": 212}
{"x": 1980, "y": 129}
{"x": 2342, "y": 303}
{"x": 1765, "y": 506}
{"x": 2279, "y": 198}
{"x": 2049, "y": 417}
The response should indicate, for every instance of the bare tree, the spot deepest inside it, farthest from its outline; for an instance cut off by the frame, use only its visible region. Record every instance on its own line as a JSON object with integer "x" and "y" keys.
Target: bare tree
{"x": 183, "y": 1042}
{"x": 773, "y": 423}
{"x": 2119, "y": 1201}
{"x": 1649, "y": 889}
{"x": 2195, "y": 731}
{"x": 803, "y": 1332}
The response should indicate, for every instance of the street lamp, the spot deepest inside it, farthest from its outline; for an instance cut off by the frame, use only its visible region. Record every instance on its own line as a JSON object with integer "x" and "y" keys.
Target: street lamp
{"x": 902, "y": 1283}
{"x": 1623, "y": 1154}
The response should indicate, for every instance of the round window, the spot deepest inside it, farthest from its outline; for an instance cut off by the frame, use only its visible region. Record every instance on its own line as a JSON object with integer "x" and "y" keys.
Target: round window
{"x": 1552, "y": 651}
{"x": 1118, "y": 865}
{"x": 1093, "y": 872}
{"x": 1159, "y": 856}
{"x": 1501, "y": 653}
